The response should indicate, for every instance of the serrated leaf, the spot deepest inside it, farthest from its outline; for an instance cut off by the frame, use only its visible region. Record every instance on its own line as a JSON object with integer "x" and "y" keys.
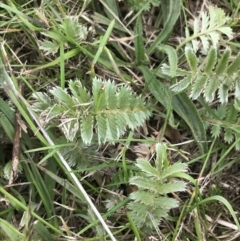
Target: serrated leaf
{"x": 87, "y": 129}
{"x": 172, "y": 58}
{"x": 173, "y": 169}
{"x": 181, "y": 85}
{"x": 234, "y": 66}
{"x": 70, "y": 128}
{"x": 192, "y": 59}
{"x": 73, "y": 29}
{"x": 79, "y": 92}
{"x": 62, "y": 97}
{"x": 49, "y": 47}
{"x": 211, "y": 61}
{"x": 110, "y": 95}
{"x": 146, "y": 167}
{"x": 223, "y": 93}
{"x": 111, "y": 123}
{"x": 223, "y": 62}
{"x": 170, "y": 187}
{"x": 211, "y": 87}
{"x": 121, "y": 124}
{"x": 212, "y": 28}
{"x": 228, "y": 135}
{"x": 144, "y": 183}
{"x": 166, "y": 203}
{"x": 144, "y": 197}
{"x": 215, "y": 131}
{"x": 123, "y": 94}
{"x": 101, "y": 128}
{"x": 198, "y": 86}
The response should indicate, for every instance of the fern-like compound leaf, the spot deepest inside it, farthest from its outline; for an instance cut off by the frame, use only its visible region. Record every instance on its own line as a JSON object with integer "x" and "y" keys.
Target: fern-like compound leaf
{"x": 213, "y": 25}
{"x": 108, "y": 112}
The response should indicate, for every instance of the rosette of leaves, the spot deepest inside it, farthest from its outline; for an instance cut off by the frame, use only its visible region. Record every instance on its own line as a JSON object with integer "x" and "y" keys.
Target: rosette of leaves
{"x": 216, "y": 75}
{"x": 207, "y": 29}
{"x": 150, "y": 202}
{"x": 108, "y": 111}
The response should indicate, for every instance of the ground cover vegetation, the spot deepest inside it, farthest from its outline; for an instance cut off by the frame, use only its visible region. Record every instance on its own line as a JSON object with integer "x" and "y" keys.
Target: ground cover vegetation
{"x": 119, "y": 120}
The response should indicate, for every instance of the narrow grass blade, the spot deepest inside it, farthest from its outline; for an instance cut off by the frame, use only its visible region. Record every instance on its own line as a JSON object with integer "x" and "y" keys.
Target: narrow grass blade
{"x": 138, "y": 42}
{"x": 188, "y": 112}
{"x": 174, "y": 7}
{"x": 103, "y": 43}
{"x": 223, "y": 201}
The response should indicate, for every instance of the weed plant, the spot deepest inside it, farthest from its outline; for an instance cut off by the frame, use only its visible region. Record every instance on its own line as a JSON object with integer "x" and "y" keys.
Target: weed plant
{"x": 119, "y": 120}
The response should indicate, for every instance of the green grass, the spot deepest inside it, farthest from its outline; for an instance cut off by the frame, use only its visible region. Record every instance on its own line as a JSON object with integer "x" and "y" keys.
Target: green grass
{"x": 94, "y": 165}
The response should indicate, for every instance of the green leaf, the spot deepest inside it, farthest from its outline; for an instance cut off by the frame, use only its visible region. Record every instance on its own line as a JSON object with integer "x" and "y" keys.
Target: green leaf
{"x": 171, "y": 187}
{"x": 211, "y": 61}
{"x": 9, "y": 231}
{"x": 173, "y": 169}
{"x": 62, "y": 97}
{"x": 101, "y": 128}
{"x": 182, "y": 84}
{"x": 173, "y": 9}
{"x": 223, "y": 62}
{"x": 188, "y": 112}
{"x": 138, "y": 41}
{"x": 172, "y": 58}
{"x": 234, "y": 66}
{"x": 49, "y": 47}
{"x": 198, "y": 86}
{"x": 87, "y": 129}
{"x": 79, "y": 92}
{"x": 70, "y": 128}
{"x": 166, "y": 203}
{"x": 213, "y": 26}
{"x": 71, "y": 28}
{"x": 144, "y": 183}
{"x": 161, "y": 157}
{"x": 146, "y": 167}
{"x": 211, "y": 87}
{"x": 192, "y": 59}
{"x": 160, "y": 91}
{"x": 147, "y": 198}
